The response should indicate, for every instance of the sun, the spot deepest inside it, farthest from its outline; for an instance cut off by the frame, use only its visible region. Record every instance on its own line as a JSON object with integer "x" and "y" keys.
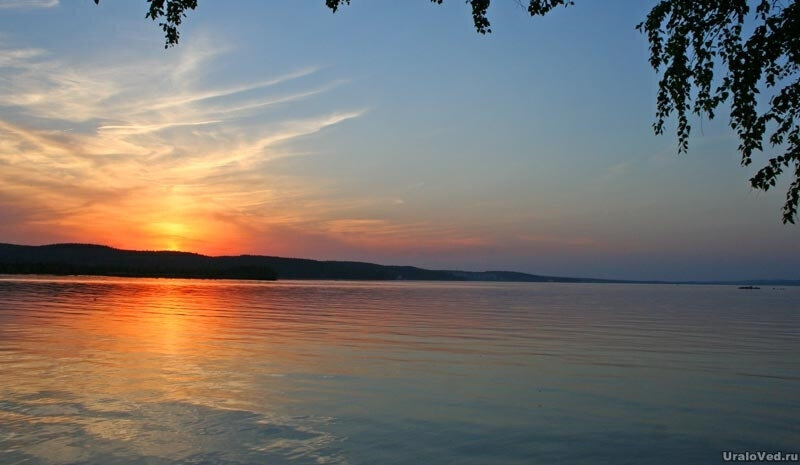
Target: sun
{"x": 171, "y": 234}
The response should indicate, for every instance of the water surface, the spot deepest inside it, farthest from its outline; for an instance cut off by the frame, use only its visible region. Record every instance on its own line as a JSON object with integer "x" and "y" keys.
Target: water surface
{"x": 124, "y": 371}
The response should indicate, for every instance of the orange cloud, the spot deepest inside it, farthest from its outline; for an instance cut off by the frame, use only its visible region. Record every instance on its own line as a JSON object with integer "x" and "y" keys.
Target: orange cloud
{"x": 112, "y": 159}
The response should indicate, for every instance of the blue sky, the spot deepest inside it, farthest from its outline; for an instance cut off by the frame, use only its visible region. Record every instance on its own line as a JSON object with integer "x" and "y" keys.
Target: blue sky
{"x": 389, "y": 132}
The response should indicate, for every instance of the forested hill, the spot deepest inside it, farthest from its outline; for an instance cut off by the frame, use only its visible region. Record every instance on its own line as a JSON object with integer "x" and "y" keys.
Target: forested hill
{"x": 87, "y": 259}
{"x": 100, "y": 260}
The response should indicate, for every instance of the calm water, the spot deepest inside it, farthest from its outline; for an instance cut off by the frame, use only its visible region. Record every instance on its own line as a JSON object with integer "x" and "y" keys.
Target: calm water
{"x": 115, "y": 371}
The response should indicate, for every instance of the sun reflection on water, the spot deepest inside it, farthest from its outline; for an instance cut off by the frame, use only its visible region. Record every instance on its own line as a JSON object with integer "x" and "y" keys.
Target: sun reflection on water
{"x": 112, "y": 370}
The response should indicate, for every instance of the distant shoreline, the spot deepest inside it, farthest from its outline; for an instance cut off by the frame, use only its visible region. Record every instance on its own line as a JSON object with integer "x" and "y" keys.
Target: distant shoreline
{"x": 61, "y": 270}
{"x": 739, "y": 285}
{"x": 99, "y": 260}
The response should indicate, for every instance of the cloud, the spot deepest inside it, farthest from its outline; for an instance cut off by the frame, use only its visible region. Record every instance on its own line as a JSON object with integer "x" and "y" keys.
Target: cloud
{"x": 394, "y": 236}
{"x": 28, "y": 4}
{"x": 180, "y": 164}
{"x": 562, "y": 241}
{"x": 143, "y": 128}
{"x": 224, "y": 92}
{"x": 16, "y": 57}
{"x": 189, "y": 162}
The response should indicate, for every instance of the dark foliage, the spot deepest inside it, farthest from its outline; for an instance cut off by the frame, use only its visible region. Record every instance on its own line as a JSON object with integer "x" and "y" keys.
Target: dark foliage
{"x": 480, "y": 8}
{"x": 705, "y": 57}
{"x": 171, "y": 14}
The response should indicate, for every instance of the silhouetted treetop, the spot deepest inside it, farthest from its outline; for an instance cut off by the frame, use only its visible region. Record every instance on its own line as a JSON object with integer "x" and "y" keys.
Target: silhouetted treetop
{"x": 706, "y": 59}
{"x": 171, "y": 13}
{"x": 479, "y": 9}
{"x": 741, "y": 53}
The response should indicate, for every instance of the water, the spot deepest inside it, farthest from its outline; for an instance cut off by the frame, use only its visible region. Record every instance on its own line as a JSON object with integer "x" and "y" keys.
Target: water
{"x": 124, "y": 371}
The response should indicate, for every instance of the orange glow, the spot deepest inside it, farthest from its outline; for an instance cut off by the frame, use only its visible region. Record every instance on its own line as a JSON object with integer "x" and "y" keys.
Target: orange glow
{"x": 174, "y": 335}
{"x": 190, "y": 169}
{"x": 172, "y": 232}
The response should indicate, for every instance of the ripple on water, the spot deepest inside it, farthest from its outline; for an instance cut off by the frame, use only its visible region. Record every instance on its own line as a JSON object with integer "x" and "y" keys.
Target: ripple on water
{"x": 122, "y": 371}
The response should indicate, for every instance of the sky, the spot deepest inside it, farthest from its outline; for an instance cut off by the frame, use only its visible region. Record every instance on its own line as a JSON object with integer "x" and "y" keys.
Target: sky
{"x": 388, "y": 132}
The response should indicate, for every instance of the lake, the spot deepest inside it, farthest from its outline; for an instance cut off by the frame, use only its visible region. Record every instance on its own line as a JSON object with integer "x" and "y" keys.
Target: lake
{"x": 149, "y": 371}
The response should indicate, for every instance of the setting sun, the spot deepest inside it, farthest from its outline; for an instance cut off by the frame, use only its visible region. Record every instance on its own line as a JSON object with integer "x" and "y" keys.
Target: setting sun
{"x": 173, "y": 234}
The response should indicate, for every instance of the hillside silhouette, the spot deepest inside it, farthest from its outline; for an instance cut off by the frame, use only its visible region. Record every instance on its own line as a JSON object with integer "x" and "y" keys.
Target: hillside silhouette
{"x": 99, "y": 260}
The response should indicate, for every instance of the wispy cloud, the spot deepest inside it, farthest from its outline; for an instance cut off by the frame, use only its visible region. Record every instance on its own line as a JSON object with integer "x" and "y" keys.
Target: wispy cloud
{"x": 154, "y": 153}
{"x": 143, "y": 128}
{"x": 224, "y": 92}
{"x": 16, "y": 57}
{"x": 391, "y": 236}
{"x": 27, "y": 4}
{"x": 177, "y": 164}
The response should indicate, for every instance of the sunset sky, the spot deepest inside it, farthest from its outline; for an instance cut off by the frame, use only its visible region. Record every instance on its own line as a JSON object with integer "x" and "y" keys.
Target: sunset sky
{"x": 389, "y": 132}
